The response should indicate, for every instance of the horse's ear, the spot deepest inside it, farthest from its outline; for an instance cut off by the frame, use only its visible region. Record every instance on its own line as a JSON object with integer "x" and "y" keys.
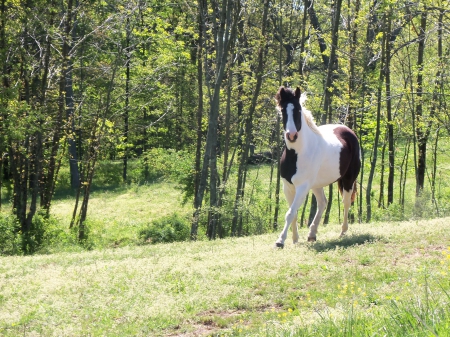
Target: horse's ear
{"x": 281, "y": 95}
{"x": 297, "y": 93}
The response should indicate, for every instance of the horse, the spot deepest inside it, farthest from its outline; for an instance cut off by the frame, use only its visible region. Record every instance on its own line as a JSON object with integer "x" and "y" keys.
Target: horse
{"x": 314, "y": 157}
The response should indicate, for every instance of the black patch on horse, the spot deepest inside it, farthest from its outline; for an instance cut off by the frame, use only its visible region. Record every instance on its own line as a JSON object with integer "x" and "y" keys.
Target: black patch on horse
{"x": 288, "y": 164}
{"x": 349, "y": 161}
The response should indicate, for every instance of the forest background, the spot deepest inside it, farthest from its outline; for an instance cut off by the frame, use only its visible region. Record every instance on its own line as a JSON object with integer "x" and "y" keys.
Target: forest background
{"x": 184, "y": 91}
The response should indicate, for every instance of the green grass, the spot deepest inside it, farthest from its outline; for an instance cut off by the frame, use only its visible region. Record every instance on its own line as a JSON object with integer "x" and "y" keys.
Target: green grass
{"x": 384, "y": 279}
{"x": 115, "y": 217}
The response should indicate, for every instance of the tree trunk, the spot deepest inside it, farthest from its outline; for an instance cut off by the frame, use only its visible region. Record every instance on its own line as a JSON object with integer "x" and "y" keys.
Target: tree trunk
{"x": 332, "y": 65}
{"x": 421, "y": 132}
{"x": 390, "y": 125}
{"x": 278, "y": 145}
{"x": 433, "y": 174}
{"x": 67, "y": 71}
{"x": 351, "y": 118}
{"x": 222, "y": 188}
{"x": 328, "y": 90}
{"x": 127, "y": 100}
{"x": 277, "y": 154}
{"x": 403, "y": 174}
{"x": 437, "y": 105}
{"x": 383, "y": 169}
{"x": 315, "y": 23}
{"x": 326, "y": 217}
{"x": 373, "y": 162}
{"x": 249, "y": 122}
{"x": 302, "y": 41}
{"x": 198, "y": 151}
{"x": 225, "y": 26}
{"x": 92, "y": 155}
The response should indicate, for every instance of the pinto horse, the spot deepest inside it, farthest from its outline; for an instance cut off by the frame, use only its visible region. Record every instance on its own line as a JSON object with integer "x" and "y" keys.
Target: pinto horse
{"x": 313, "y": 158}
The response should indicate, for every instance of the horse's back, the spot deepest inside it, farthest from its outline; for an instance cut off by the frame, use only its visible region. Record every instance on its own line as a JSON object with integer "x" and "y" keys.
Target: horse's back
{"x": 349, "y": 159}
{"x": 341, "y": 155}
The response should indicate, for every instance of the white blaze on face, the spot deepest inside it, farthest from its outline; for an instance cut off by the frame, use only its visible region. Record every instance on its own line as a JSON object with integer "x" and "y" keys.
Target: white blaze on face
{"x": 290, "y": 124}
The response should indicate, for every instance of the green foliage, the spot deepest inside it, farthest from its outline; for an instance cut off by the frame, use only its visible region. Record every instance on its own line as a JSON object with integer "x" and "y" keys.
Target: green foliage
{"x": 167, "y": 164}
{"x": 9, "y": 239}
{"x": 45, "y": 235}
{"x": 172, "y": 228}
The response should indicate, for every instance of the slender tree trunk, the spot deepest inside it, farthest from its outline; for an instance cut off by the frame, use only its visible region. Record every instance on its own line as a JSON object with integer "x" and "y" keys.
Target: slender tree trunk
{"x": 277, "y": 154}
{"x": 383, "y": 169}
{"x": 302, "y": 41}
{"x": 69, "y": 99}
{"x": 403, "y": 174}
{"x": 277, "y": 137}
{"x": 437, "y": 105}
{"x": 390, "y": 125}
{"x": 326, "y": 217}
{"x": 93, "y": 152}
{"x": 421, "y": 133}
{"x": 224, "y": 29}
{"x": 373, "y": 162}
{"x": 361, "y": 123}
{"x": 351, "y": 118}
{"x": 433, "y": 174}
{"x": 328, "y": 90}
{"x": 249, "y": 121}
{"x": 127, "y": 100}
{"x": 332, "y": 65}
{"x": 222, "y": 188}
{"x": 65, "y": 104}
{"x": 315, "y": 23}
{"x": 198, "y": 152}
{"x": 20, "y": 151}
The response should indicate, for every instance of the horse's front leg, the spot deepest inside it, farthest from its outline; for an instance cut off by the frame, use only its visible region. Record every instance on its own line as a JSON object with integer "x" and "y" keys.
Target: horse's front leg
{"x": 291, "y": 214}
{"x": 289, "y": 193}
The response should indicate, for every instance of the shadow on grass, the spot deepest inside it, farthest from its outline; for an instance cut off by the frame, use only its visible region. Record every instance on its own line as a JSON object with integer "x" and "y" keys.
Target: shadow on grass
{"x": 345, "y": 242}
{"x": 67, "y": 192}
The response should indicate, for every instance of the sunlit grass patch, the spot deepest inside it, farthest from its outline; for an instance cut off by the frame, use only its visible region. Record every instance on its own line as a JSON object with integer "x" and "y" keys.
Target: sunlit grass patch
{"x": 373, "y": 280}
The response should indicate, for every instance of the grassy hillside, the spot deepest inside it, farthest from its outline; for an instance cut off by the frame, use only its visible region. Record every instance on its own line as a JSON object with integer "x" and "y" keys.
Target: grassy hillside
{"x": 384, "y": 279}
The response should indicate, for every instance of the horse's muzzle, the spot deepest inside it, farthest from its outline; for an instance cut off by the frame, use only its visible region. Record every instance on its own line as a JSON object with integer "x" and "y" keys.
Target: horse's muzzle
{"x": 292, "y": 137}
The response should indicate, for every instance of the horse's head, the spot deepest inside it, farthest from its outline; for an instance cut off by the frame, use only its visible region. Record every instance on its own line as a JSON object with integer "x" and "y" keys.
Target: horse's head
{"x": 288, "y": 102}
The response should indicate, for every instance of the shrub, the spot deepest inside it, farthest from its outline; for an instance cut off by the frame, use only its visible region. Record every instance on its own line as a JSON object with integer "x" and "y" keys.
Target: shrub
{"x": 44, "y": 235}
{"x": 170, "y": 228}
{"x": 163, "y": 163}
{"x": 9, "y": 238}
{"x": 44, "y": 232}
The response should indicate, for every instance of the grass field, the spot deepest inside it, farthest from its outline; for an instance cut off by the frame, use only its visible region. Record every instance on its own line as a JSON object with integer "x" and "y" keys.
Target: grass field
{"x": 387, "y": 278}
{"x": 384, "y": 279}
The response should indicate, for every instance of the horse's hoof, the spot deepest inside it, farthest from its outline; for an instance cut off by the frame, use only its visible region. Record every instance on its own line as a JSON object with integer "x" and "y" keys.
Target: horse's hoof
{"x": 312, "y": 239}
{"x": 279, "y": 245}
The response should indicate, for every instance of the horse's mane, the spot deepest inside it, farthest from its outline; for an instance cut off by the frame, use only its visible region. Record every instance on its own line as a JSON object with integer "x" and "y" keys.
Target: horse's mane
{"x": 308, "y": 115}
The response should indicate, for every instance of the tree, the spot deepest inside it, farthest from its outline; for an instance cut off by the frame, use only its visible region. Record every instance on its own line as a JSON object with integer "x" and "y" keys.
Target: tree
{"x": 224, "y": 23}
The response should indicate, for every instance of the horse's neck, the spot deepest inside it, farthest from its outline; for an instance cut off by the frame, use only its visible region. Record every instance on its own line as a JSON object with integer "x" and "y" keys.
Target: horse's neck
{"x": 307, "y": 139}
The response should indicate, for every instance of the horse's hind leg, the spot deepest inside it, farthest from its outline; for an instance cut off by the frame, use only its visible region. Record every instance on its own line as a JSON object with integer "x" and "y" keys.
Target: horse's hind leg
{"x": 321, "y": 205}
{"x": 347, "y": 201}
